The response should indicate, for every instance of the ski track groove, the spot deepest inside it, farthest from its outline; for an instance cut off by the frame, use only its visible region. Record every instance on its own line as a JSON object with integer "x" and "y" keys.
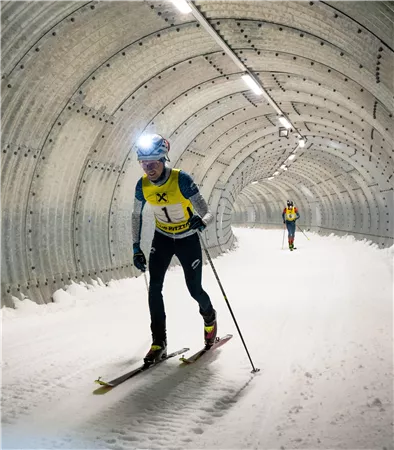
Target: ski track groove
{"x": 17, "y": 399}
{"x": 39, "y": 388}
{"x": 152, "y": 418}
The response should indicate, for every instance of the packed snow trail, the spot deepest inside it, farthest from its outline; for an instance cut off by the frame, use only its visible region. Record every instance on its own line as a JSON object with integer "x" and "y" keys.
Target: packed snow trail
{"x": 317, "y": 322}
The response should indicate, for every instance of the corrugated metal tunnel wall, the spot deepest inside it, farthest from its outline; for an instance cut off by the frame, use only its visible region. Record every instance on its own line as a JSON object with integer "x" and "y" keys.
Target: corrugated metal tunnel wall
{"x": 82, "y": 80}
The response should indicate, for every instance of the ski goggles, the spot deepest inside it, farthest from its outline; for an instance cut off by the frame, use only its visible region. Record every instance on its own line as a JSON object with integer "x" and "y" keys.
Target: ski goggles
{"x": 150, "y": 165}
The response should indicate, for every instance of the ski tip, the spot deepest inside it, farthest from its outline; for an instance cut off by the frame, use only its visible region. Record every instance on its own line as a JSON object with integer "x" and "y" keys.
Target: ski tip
{"x": 184, "y": 360}
{"x": 102, "y": 383}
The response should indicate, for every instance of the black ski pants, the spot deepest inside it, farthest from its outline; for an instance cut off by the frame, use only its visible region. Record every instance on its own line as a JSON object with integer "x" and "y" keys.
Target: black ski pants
{"x": 188, "y": 251}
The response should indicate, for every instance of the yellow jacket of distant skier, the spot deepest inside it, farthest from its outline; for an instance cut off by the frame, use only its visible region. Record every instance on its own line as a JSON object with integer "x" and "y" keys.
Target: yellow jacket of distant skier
{"x": 291, "y": 214}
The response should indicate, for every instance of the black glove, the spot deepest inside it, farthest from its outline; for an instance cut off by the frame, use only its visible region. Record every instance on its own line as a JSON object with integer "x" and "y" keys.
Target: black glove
{"x": 196, "y": 223}
{"x": 139, "y": 258}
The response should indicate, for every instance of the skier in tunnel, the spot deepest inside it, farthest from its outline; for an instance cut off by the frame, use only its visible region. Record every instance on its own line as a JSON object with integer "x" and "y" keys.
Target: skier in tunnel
{"x": 290, "y": 215}
{"x": 173, "y": 196}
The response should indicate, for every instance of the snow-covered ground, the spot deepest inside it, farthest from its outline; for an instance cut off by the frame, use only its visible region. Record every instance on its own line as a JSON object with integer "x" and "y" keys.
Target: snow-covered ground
{"x": 318, "y": 323}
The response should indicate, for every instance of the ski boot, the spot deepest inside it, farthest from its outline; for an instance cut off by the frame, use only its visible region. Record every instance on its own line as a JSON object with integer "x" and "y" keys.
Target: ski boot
{"x": 157, "y": 352}
{"x": 210, "y": 330}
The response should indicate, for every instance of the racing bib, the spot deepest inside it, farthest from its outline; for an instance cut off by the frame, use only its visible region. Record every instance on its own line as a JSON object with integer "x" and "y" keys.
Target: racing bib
{"x": 169, "y": 206}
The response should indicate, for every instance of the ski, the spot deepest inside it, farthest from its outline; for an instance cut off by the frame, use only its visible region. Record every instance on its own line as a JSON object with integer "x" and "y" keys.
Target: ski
{"x": 107, "y": 385}
{"x": 218, "y": 343}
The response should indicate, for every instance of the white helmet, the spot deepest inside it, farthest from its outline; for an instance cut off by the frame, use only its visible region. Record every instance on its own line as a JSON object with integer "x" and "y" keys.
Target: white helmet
{"x": 152, "y": 147}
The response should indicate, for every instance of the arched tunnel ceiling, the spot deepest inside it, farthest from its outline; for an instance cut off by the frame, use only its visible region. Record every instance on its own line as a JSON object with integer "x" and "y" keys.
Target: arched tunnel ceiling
{"x": 81, "y": 81}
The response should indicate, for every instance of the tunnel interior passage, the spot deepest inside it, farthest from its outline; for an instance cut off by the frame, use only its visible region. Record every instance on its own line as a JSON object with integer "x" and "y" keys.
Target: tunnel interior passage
{"x": 82, "y": 81}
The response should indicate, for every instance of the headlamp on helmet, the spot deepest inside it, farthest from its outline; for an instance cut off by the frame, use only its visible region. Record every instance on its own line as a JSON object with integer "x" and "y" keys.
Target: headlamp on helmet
{"x": 152, "y": 147}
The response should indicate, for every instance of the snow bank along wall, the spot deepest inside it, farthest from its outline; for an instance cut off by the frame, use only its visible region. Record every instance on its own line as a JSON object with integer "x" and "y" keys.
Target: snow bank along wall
{"x": 81, "y": 81}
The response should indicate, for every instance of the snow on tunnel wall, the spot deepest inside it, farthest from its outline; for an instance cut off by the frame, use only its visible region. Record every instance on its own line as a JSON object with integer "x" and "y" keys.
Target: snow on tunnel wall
{"x": 82, "y": 80}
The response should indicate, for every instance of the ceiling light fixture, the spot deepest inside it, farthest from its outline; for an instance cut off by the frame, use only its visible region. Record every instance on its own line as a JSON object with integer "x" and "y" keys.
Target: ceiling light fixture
{"x": 285, "y": 122}
{"x": 252, "y": 84}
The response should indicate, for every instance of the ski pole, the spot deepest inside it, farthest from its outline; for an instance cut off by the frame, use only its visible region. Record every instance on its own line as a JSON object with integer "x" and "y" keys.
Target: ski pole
{"x": 224, "y": 294}
{"x": 227, "y": 302}
{"x": 146, "y": 282}
{"x": 283, "y": 240}
{"x": 303, "y": 232}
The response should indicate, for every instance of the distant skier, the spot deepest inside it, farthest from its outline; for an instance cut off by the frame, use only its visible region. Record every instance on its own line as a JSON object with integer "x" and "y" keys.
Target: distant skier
{"x": 290, "y": 215}
{"x": 173, "y": 195}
